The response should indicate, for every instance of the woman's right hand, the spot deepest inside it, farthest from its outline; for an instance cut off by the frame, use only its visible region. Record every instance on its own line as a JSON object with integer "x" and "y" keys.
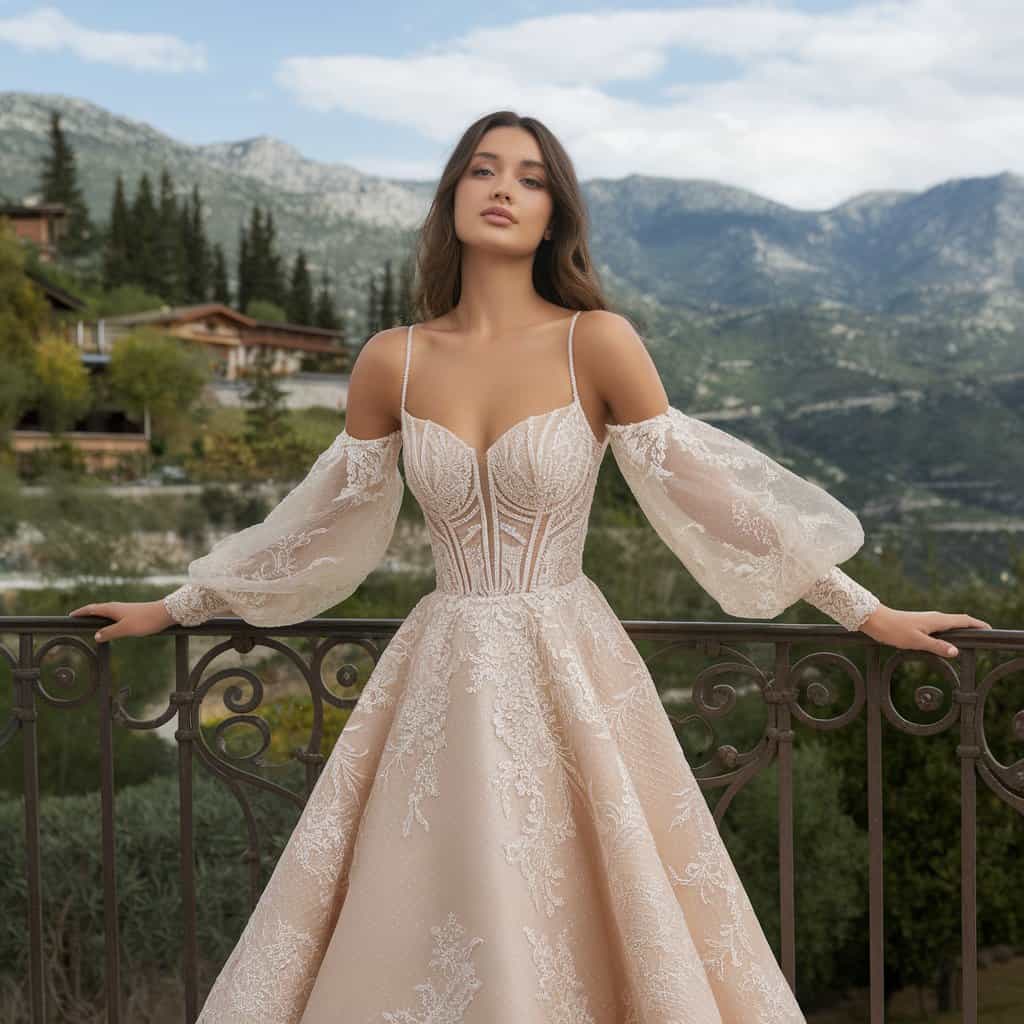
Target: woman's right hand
{"x": 131, "y": 618}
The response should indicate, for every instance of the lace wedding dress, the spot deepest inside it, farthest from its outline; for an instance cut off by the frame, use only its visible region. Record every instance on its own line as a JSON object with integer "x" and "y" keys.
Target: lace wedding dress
{"x": 507, "y": 830}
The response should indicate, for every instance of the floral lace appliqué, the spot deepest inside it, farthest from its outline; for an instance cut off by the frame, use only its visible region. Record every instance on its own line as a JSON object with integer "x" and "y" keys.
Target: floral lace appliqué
{"x": 559, "y": 987}
{"x": 446, "y": 996}
{"x": 755, "y": 535}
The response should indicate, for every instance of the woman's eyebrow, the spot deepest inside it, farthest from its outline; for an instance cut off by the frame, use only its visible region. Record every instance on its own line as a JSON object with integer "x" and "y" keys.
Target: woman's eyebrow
{"x": 522, "y": 163}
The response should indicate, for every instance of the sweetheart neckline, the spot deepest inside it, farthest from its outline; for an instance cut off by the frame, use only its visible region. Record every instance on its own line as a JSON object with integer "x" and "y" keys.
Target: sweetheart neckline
{"x": 575, "y": 402}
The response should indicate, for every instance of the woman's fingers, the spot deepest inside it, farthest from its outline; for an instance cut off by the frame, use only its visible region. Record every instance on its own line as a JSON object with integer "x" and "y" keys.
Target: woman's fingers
{"x": 962, "y": 621}
{"x": 969, "y": 620}
{"x": 937, "y": 646}
{"x": 944, "y": 621}
{"x": 105, "y": 610}
{"x": 950, "y": 621}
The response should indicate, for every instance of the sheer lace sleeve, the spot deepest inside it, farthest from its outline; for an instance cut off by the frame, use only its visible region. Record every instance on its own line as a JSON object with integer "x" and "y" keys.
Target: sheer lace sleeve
{"x": 754, "y": 535}
{"x": 313, "y": 549}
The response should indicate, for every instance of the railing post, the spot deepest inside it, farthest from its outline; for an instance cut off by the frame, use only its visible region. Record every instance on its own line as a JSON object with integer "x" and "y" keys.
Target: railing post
{"x": 876, "y": 834}
{"x": 112, "y": 940}
{"x": 26, "y": 677}
{"x": 783, "y": 734}
{"x": 968, "y": 750}
{"x": 185, "y": 735}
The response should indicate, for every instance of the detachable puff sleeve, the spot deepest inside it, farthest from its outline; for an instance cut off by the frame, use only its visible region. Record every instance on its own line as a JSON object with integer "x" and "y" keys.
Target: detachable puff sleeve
{"x": 313, "y": 549}
{"x": 754, "y": 535}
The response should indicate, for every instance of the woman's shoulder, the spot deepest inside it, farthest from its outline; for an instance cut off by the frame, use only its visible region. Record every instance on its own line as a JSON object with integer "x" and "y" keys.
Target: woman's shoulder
{"x": 604, "y": 341}
{"x": 615, "y": 364}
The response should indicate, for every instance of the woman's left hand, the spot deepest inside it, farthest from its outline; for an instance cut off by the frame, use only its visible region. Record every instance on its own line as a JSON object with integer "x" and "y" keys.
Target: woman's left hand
{"x": 910, "y": 630}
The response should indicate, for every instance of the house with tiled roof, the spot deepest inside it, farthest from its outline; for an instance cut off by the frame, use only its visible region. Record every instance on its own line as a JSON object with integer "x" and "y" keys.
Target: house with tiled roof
{"x": 231, "y": 337}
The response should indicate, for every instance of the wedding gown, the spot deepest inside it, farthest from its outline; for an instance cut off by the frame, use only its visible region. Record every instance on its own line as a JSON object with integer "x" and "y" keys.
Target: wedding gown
{"x": 507, "y": 830}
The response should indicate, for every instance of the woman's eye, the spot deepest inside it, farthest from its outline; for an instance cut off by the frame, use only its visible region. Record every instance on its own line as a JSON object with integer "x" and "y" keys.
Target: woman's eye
{"x": 477, "y": 170}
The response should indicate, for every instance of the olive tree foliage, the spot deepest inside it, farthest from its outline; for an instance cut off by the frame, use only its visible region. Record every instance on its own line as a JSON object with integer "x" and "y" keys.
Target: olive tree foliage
{"x": 24, "y": 318}
{"x": 149, "y": 370}
{"x": 64, "y": 394}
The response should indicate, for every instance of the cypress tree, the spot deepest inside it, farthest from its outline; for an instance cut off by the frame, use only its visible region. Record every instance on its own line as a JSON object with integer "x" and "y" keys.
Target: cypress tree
{"x": 59, "y": 184}
{"x": 144, "y": 268}
{"x": 300, "y": 292}
{"x": 276, "y": 287}
{"x": 256, "y": 263}
{"x": 169, "y": 257}
{"x": 116, "y": 268}
{"x": 221, "y": 290}
{"x": 197, "y": 252}
{"x": 185, "y": 243}
{"x": 266, "y": 414}
{"x": 261, "y": 269}
{"x": 244, "y": 269}
{"x": 325, "y": 314}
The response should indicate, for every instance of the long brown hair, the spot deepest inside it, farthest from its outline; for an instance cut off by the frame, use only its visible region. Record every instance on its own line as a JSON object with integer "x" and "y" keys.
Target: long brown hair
{"x": 563, "y": 271}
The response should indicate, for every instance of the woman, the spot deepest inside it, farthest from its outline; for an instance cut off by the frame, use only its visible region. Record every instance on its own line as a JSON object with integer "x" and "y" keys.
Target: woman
{"x": 507, "y": 829}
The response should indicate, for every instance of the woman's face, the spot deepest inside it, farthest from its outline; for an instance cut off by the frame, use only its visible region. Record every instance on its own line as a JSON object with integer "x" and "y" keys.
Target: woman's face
{"x": 501, "y": 174}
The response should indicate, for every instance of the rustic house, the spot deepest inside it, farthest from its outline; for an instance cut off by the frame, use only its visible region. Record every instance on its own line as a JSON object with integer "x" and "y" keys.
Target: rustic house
{"x": 230, "y": 336}
{"x": 40, "y": 223}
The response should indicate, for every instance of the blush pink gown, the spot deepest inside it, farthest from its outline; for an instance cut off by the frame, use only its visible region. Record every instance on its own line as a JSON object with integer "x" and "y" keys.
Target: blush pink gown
{"x": 507, "y": 830}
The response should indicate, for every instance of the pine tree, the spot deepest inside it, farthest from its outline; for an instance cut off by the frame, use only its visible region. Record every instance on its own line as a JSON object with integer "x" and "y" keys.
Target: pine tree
{"x": 260, "y": 268}
{"x": 59, "y": 184}
{"x": 170, "y": 257}
{"x": 244, "y": 269}
{"x": 116, "y": 267}
{"x": 143, "y": 265}
{"x": 325, "y": 314}
{"x": 300, "y": 292}
{"x": 276, "y": 287}
{"x": 254, "y": 247}
{"x": 265, "y": 411}
{"x": 197, "y": 251}
{"x": 221, "y": 288}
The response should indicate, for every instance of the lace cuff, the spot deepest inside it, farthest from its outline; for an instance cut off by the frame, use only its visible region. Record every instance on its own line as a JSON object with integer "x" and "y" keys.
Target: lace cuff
{"x": 192, "y": 604}
{"x": 842, "y": 598}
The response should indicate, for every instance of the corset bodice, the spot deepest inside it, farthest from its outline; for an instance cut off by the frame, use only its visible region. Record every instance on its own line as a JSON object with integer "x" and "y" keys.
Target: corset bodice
{"x": 513, "y": 518}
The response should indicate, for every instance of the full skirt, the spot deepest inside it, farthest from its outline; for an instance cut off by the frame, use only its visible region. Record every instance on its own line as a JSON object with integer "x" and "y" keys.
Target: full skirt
{"x": 505, "y": 832}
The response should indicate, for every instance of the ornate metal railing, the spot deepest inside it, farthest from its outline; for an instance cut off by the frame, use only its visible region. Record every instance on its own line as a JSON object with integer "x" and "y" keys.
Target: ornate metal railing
{"x": 782, "y": 683}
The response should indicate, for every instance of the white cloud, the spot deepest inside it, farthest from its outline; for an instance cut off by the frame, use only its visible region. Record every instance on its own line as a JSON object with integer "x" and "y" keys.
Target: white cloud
{"x": 46, "y": 28}
{"x": 821, "y": 106}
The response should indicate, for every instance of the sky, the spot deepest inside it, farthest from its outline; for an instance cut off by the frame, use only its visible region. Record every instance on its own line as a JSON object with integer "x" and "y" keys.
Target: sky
{"x": 806, "y": 102}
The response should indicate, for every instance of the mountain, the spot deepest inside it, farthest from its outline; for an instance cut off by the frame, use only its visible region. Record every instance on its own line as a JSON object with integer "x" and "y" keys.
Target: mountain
{"x": 877, "y": 347}
{"x": 348, "y": 222}
{"x": 953, "y": 250}
{"x": 957, "y": 248}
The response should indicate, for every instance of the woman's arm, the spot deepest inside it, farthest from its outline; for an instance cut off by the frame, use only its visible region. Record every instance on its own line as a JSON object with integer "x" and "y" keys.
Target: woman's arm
{"x": 317, "y": 545}
{"x": 754, "y": 534}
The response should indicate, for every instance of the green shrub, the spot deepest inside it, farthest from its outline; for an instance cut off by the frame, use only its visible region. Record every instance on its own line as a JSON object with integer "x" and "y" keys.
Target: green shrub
{"x": 148, "y": 880}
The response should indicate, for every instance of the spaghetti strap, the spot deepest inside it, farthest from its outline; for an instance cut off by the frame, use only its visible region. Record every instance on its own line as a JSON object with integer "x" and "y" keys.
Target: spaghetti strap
{"x": 405, "y": 372}
{"x": 572, "y": 371}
